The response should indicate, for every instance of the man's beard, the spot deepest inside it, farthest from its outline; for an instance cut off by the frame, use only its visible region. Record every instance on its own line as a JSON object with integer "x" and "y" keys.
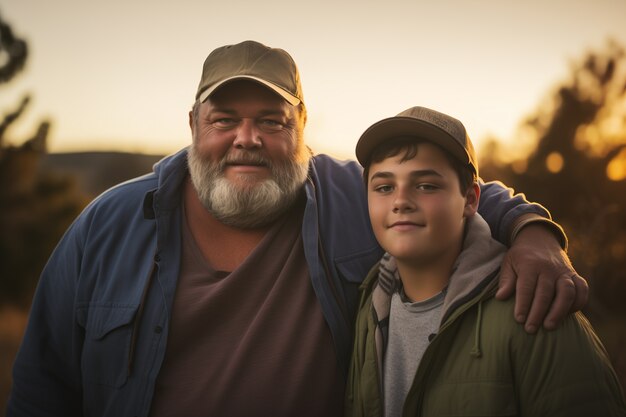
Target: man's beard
{"x": 253, "y": 205}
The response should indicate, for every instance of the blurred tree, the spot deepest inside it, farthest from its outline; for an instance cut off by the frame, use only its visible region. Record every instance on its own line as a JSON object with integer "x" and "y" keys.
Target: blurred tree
{"x": 35, "y": 207}
{"x": 13, "y": 52}
{"x": 576, "y": 166}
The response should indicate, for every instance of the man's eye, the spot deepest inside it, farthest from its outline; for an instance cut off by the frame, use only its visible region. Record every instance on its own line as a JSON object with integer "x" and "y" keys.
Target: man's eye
{"x": 224, "y": 122}
{"x": 270, "y": 125}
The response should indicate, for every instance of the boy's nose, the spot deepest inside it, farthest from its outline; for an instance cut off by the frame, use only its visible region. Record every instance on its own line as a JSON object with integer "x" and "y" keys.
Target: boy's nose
{"x": 402, "y": 202}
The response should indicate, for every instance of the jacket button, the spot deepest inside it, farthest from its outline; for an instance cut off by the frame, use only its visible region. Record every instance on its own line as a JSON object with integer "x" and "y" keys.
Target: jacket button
{"x": 157, "y": 257}
{"x": 158, "y": 329}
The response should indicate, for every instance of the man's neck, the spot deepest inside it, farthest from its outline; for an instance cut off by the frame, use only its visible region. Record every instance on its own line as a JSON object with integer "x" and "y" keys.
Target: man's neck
{"x": 224, "y": 247}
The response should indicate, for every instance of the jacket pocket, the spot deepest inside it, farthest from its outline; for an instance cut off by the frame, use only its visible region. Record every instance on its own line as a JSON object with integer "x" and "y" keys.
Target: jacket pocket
{"x": 353, "y": 269}
{"x": 108, "y": 335}
{"x": 473, "y": 397}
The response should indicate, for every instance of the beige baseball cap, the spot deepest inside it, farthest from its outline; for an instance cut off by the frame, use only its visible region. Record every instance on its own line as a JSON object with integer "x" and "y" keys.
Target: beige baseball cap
{"x": 421, "y": 123}
{"x": 272, "y": 67}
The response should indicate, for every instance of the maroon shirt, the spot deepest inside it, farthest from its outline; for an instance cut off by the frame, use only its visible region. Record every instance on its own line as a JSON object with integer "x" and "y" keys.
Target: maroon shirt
{"x": 252, "y": 341}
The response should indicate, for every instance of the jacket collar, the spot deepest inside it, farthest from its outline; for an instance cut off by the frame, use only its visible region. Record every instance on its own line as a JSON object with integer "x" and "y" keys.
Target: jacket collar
{"x": 476, "y": 266}
{"x": 170, "y": 172}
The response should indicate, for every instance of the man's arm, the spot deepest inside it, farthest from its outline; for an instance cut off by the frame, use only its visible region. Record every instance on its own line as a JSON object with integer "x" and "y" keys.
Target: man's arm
{"x": 536, "y": 267}
{"x": 548, "y": 287}
{"x": 46, "y": 375}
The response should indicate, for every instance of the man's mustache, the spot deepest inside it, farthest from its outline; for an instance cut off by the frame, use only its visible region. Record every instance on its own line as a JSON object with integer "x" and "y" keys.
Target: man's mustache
{"x": 245, "y": 158}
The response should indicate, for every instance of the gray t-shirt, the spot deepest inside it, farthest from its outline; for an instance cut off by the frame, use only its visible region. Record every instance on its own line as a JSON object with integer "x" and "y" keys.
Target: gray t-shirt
{"x": 410, "y": 325}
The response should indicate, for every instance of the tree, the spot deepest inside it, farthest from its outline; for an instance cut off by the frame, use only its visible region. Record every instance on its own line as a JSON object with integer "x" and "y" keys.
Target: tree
{"x": 13, "y": 53}
{"x": 577, "y": 168}
{"x": 35, "y": 207}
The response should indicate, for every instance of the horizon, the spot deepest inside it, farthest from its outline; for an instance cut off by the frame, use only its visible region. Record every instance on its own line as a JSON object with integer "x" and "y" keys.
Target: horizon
{"x": 488, "y": 63}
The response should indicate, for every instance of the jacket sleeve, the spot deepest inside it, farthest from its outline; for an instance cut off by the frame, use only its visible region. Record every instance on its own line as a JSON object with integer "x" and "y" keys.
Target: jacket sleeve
{"x": 506, "y": 212}
{"x": 565, "y": 372}
{"x": 46, "y": 372}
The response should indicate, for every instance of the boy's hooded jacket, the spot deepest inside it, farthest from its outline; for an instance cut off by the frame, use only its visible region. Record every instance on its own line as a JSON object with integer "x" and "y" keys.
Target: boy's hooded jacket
{"x": 481, "y": 362}
{"x": 98, "y": 329}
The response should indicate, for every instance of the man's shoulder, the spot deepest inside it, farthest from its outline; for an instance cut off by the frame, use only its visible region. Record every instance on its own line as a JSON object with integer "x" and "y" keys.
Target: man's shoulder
{"x": 135, "y": 189}
{"x": 324, "y": 161}
{"x": 325, "y": 168}
{"x": 338, "y": 185}
{"x": 127, "y": 191}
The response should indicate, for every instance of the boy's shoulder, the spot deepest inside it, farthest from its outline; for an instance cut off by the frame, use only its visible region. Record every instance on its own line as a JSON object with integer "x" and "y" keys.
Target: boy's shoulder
{"x": 367, "y": 286}
{"x": 498, "y": 318}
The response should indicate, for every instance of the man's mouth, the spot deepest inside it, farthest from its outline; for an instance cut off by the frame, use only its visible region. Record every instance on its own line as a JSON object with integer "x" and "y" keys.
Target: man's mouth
{"x": 246, "y": 161}
{"x": 248, "y": 164}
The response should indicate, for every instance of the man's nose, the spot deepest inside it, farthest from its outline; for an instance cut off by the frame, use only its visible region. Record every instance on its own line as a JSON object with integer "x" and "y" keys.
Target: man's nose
{"x": 248, "y": 135}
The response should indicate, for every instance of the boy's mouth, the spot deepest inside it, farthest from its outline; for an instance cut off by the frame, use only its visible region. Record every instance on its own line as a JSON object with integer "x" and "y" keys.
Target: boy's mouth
{"x": 404, "y": 223}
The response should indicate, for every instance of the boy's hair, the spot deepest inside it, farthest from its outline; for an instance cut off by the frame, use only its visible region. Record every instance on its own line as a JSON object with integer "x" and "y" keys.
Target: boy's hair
{"x": 403, "y": 132}
{"x": 409, "y": 146}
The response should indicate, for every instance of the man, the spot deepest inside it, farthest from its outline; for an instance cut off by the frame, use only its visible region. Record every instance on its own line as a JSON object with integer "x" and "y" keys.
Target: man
{"x": 225, "y": 283}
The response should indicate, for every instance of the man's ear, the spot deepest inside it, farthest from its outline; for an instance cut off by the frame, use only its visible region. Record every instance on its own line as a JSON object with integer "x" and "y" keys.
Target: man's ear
{"x": 191, "y": 119}
{"x": 472, "y": 196}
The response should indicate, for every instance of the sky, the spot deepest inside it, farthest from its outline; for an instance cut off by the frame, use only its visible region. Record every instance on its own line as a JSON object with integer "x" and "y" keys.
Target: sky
{"x": 122, "y": 74}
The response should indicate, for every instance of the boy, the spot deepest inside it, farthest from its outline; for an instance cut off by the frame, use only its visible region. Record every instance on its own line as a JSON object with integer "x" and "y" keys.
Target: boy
{"x": 430, "y": 338}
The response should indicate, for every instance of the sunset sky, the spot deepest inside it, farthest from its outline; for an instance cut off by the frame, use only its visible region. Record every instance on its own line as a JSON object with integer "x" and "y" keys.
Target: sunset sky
{"x": 122, "y": 74}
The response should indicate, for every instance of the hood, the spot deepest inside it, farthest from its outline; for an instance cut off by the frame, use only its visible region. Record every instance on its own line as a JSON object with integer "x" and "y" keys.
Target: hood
{"x": 476, "y": 267}
{"x": 474, "y": 274}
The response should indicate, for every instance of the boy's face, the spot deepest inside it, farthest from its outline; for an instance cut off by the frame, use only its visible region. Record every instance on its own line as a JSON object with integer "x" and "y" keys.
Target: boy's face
{"x": 416, "y": 207}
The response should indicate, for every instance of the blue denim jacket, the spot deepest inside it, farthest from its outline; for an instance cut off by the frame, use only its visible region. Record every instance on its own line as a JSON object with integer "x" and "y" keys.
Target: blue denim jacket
{"x": 98, "y": 327}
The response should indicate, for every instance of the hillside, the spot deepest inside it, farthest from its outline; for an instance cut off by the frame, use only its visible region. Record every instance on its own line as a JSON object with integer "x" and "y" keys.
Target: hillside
{"x": 97, "y": 171}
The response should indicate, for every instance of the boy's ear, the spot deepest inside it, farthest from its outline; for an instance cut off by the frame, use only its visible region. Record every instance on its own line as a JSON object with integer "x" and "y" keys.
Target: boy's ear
{"x": 472, "y": 196}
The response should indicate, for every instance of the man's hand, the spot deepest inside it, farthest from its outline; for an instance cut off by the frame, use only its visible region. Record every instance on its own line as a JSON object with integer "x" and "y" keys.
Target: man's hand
{"x": 540, "y": 272}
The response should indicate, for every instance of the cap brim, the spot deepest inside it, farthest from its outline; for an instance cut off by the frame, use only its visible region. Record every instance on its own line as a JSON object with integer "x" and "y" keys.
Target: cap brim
{"x": 398, "y": 126}
{"x": 291, "y": 99}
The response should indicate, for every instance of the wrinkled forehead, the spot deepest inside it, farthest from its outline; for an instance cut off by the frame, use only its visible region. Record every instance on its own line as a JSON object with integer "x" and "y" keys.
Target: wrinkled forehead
{"x": 248, "y": 93}
{"x": 245, "y": 89}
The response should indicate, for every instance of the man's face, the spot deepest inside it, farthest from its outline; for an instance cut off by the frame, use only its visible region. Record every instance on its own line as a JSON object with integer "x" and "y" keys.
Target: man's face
{"x": 248, "y": 160}
{"x": 416, "y": 207}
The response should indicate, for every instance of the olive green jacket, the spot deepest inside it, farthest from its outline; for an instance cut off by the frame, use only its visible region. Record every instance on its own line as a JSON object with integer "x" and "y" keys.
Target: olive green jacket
{"x": 481, "y": 362}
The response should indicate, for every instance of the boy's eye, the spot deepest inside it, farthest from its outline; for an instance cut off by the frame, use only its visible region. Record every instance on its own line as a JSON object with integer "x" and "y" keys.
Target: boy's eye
{"x": 426, "y": 187}
{"x": 385, "y": 188}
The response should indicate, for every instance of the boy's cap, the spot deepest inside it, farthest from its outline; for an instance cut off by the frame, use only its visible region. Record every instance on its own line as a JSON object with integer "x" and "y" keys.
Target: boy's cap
{"x": 421, "y": 123}
{"x": 251, "y": 60}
